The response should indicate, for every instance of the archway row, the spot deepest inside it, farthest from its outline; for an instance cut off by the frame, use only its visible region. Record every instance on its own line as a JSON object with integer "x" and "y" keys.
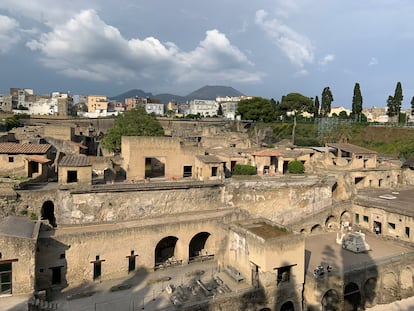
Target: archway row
{"x": 199, "y": 248}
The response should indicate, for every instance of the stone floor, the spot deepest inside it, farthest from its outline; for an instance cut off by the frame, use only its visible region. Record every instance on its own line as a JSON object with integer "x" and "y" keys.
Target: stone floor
{"x": 143, "y": 291}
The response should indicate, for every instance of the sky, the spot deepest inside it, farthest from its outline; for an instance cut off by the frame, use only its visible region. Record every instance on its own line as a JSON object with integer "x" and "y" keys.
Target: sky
{"x": 261, "y": 48}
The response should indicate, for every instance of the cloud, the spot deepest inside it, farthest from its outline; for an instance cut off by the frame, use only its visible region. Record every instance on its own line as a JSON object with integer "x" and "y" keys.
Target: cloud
{"x": 9, "y": 34}
{"x": 88, "y": 48}
{"x": 295, "y": 46}
{"x": 373, "y": 61}
{"x": 326, "y": 59}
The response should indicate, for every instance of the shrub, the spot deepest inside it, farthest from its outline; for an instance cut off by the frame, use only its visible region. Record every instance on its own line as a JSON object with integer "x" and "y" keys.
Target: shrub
{"x": 296, "y": 167}
{"x": 33, "y": 216}
{"x": 241, "y": 169}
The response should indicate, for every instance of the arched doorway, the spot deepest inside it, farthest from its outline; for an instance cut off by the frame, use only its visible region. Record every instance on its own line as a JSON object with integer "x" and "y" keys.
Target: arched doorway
{"x": 287, "y": 306}
{"x": 197, "y": 247}
{"x": 346, "y": 217}
{"x": 48, "y": 212}
{"x": 330, "y": 301}
{"x": 352, "y": 297}
{"x": 164, "y": 252}
{"x": 370, "y": 292}
{"x": 316, "y": 228}
{"x": 331, "y": 223}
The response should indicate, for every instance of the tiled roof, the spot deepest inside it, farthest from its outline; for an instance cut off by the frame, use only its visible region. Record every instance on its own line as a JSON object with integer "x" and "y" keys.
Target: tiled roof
{"x": 14, "y": 148}
{"x": 17, "y": 226}
{"x": 209, "y": 159}
{"x": 351, "y": 148}
{"x": 74, "y": 161}
{"x": 38, "y": 158}
{"x": 267, "y": 153}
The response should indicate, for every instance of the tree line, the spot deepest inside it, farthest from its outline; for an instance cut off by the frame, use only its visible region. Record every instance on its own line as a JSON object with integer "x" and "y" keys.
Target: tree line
{"x": 293, "y": 104}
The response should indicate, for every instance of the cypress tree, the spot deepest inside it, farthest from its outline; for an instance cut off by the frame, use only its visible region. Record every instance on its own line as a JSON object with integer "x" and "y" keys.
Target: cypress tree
{"x": 357, "y": 103}
{"x": 327, "y": 100}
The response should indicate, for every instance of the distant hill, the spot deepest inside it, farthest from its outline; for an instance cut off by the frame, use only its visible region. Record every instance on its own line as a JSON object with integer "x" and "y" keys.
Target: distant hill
{"x": 213, "y": 91}
{"x": 166, "y": 97}
{"x": 206, "y": 92}
{"x": 131, "y": 93}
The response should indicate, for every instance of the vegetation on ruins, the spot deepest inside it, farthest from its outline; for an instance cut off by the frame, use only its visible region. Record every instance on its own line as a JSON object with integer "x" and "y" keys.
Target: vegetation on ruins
{"x": 242, "y": 169}
{"x": 15, "y": 120}
{"x": 296, "y": 167}
{"x": 135, "y": 122}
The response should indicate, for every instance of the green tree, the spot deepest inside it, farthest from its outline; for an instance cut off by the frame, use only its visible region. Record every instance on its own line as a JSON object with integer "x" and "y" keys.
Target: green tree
{"x": 296, "y": 167}
{"x": 316, "y": 106}
{"x": 295, "y": 103}
{"x": 394, "y": 103}
{"x": 135, "y": 122}
{"x": 357, "y": 103}
{"x": 412, "y": 106}
{"x": 220, "y": 111}
{"x": 256, "y": 109}
{"x": 327, "y": 100}
{"x": 244, "y": 169}
{"x": 343, "y": 115}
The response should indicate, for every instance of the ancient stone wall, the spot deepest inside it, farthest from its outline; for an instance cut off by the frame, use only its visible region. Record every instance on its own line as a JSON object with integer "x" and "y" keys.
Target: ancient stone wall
{"x": 21, "y": 253}
{"x": 113, "y": 243}
{"x": 281, "y": 200}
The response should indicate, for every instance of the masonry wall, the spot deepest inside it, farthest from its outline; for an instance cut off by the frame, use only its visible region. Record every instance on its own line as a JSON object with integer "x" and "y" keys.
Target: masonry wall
{"x": 23, "y": 270}
{"x": 281, "y": 200}
{"x": 84, "y": 175}
{"x": 167, "y": 150}
{"x": 115, "y": 243}
{"x": 59, "y": 132}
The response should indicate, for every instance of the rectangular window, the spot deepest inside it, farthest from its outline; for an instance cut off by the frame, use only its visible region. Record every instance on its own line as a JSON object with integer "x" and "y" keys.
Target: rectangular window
{"x": 72, "y": 176}
{"x": 6, "y": 278}
{"x": 366, "y": 219}
{"x": 188, "y": 171}
{"x": 357, "y": 218}
{"x": 283, "y": 274}
{"x": 214, "y": 171}
{"x": 131, "y": 261}
{"x": 407, "y": 232}
{"x": 391, "y": 226}
{"x": 11, "y": 159}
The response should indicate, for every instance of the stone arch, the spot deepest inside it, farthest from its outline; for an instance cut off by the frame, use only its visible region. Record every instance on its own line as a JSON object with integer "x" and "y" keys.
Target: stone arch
{"x": 331, "y": 223}
{"x": 346, "y": 217}
{"x": 406, "y": 278}
{"x": 48, "y": 212}
{"x": 370, "y": 292}
{"x": 352, "y": 297}
{"x": 330, "y": 301}
{"x": 316, "y": 228}
{"x": 287, "y": 306}
{"x": 165, "y": 250}
{"x": 390, "y": 286}
{"x": 198, "y": 245}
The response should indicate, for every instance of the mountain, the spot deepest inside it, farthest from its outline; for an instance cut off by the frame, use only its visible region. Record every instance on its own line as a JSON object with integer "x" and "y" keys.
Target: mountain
{"x": 166, "y": 97}
{"x": 213, "y": 91}
{"x": 206, "y": 92}
{"x": 131, "y": 93}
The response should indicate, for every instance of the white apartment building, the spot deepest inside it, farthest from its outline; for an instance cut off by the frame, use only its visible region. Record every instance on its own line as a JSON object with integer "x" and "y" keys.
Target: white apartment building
{"x": 156, "y": 108}
{"x": 205, "y": 107}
